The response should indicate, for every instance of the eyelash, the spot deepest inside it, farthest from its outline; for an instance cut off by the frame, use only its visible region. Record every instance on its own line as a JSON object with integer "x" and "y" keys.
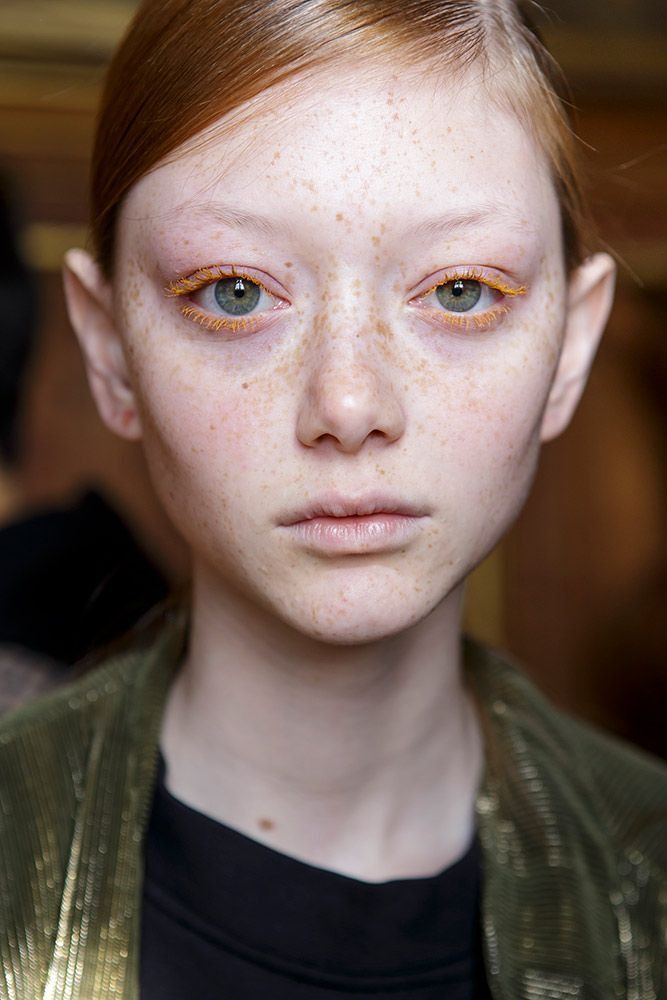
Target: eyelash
{"x": 467, "y": 321}
{"x": 206, "y": 276}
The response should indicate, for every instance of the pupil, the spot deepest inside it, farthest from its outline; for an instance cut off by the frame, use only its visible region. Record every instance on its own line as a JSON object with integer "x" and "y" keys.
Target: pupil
{"x": 239, "y": 289}
{"x": 458, "y": 288}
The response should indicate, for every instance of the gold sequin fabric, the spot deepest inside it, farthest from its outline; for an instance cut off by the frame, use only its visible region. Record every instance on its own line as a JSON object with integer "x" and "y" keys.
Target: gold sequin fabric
{"x": 573, "y": 827}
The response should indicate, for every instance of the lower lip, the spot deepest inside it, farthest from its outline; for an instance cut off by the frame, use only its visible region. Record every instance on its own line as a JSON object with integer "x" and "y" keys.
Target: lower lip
{"x": 358, "y": 534}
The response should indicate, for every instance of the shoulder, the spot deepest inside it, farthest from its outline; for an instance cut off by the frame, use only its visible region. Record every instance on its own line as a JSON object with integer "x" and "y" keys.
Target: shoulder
{"x": 25, "y": 675}
{"x": 72, "y": 705}
{"x": 67, "y": 756}
{"x": 614, "y": 789}
{"x": 46, "y": 745}
{"x": 76, "y": 774}
{"x": 106, "y": 705}
{"x": 132, "y": 672}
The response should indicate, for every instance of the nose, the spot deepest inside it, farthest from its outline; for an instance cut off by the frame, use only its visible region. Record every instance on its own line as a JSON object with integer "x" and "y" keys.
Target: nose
{"x": 349, "y": 398}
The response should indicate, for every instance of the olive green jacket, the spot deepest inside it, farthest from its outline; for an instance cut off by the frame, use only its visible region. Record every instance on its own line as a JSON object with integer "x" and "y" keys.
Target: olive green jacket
{"x": 573, "y": 827}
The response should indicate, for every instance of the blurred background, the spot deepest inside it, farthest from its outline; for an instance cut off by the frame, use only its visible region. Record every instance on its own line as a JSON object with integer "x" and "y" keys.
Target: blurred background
{"x": 578, "y": 591}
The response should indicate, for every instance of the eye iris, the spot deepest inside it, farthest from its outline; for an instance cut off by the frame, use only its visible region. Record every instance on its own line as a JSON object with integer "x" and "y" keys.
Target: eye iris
{"x": 237, "y": 296}
{"x": 460, "y": 295}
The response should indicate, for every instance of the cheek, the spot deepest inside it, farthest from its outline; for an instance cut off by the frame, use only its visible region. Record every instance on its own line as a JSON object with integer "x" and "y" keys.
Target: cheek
{"x": 207, "y": 436}
{"x": 487, "y": 420}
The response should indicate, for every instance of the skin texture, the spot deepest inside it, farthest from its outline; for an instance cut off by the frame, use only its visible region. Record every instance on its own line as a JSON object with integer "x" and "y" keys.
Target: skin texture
{"x": 322, "y": 708}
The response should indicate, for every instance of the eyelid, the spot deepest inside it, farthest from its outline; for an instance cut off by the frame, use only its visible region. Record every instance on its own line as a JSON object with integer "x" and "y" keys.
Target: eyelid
{"x": 208, "y": 275}
{"x": 474, "y": 274}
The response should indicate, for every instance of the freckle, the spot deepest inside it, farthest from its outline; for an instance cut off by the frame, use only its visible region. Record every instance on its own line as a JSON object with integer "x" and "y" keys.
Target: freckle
{"x": 212, "y": 427}
{"x": 339, "y": 216}
{"x": 288, "y": 263}
{"x": 376, "y": 241}
{"x": 265, "y": 824}
{"x": 245, "y": 385}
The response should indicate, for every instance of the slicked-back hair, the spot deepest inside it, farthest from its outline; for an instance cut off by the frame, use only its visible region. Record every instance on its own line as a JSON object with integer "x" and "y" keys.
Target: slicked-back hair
{"x": 184, "y": 64}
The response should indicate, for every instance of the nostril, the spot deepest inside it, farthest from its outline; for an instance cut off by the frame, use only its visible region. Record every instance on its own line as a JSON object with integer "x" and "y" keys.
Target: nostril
{"x": 348, "y": 406}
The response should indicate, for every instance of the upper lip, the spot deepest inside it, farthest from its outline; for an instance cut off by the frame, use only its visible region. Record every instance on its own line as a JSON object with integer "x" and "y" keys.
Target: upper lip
{"x": 337, "y": 505}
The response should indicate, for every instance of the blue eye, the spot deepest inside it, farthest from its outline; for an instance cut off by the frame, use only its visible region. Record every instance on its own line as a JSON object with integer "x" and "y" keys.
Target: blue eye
{"x": 465, "y": 296}
{"x": 460, "y": 295}
{"x": 236, "y": 296}
{"x": 232, "y": 296}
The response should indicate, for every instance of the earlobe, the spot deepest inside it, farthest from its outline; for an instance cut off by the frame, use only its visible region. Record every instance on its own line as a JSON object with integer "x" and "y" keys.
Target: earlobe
{"x": 89, "y": 305}
{"x": 590, "y": 297}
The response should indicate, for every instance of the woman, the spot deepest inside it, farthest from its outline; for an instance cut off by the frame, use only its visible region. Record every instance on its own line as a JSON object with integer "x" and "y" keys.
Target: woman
{"x": 341, "y": 291}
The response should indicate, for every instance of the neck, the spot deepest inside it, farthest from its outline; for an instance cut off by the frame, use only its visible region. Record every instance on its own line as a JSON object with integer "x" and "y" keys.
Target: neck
{"x": 363, "y": 759}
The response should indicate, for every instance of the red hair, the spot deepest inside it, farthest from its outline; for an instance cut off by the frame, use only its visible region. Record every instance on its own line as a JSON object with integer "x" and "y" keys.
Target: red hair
{"x": 184, "y": 64}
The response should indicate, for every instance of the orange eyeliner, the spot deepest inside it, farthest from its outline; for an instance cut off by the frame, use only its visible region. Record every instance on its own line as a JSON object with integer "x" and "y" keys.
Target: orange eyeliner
{"x": 216, "y": 323}
{"x": 484, "y": 279}
{"x": 208, "y": 276}
{"x": 481, "y": 321}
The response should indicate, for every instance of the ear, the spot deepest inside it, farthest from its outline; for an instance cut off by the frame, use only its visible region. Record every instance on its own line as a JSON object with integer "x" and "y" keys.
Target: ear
{"x": 590, "y": 296}
{"x": 89, "y": 303}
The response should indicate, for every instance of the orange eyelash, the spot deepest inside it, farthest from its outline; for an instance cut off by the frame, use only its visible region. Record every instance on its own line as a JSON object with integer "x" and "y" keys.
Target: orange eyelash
{"x": 207, "y": 276}
{"x": 481, "y": 321}
{"x": 216, "y": 323}
{"x": 472, "y": 275}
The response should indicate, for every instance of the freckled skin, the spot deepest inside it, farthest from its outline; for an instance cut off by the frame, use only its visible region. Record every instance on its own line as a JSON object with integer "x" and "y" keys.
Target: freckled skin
{"x": 350, "y": 388}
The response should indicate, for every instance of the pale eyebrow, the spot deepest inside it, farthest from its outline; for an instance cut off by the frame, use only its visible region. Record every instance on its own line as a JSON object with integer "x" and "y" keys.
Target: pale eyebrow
{"x": 235, "y": 218}
{"x": 451, "y": 223}
{"x": 447, "y": 224}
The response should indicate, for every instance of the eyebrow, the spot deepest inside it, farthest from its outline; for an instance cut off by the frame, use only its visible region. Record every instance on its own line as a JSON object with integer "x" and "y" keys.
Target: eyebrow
{"x": 451, "y": 223}
{"x": 236, "y": 218}
{"x": 447, "y": 224}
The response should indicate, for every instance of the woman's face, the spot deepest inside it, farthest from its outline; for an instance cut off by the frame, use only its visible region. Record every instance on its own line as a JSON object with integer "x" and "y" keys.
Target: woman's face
{"x": 355, "y": 298}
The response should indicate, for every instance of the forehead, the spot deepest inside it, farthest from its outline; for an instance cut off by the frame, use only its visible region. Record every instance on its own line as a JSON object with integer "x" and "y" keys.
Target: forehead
{"x": 366, "y": 145}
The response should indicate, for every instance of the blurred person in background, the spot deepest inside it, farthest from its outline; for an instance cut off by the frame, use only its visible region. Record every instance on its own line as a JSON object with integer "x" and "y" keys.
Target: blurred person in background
{"x": 71, "y": 577}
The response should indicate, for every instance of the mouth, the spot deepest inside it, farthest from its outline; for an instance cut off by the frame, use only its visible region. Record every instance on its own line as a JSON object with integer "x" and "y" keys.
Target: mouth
{"x": 335, "y": 506}
{"x": 337, "y": 525}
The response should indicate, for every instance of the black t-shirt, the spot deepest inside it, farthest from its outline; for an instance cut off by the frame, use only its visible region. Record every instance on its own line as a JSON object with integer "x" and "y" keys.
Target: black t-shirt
{"x": 227, "y": 918}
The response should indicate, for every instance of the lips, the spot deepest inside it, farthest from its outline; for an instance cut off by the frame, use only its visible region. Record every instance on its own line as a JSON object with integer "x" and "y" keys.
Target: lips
{"x": 335, "y": 505}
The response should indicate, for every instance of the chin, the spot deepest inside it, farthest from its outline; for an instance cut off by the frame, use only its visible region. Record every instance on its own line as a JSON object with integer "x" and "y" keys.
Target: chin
{"x": 353, "y": 633}
{"x": 351, "y": 620}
